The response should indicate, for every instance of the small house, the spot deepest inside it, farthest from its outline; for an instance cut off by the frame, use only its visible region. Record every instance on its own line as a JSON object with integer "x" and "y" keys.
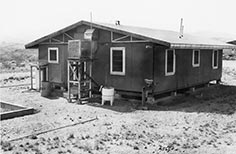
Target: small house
{"x": 124, "y": 56}
{"x": 230, "y": 54}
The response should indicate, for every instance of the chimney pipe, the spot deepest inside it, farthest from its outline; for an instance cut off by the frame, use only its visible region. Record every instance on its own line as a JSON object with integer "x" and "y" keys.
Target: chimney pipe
{"x": 117, "y": 22}
{"x": 181, "y": 32}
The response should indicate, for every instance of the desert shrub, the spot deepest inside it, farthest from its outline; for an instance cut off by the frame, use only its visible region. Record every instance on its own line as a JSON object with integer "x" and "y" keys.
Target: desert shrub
{"x": 6, "y": 65}
{"x": 6, "y": 146}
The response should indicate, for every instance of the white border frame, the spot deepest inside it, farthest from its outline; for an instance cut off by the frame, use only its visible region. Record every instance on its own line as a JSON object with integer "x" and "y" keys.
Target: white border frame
{"x": 217, "y": 59}
{"x": 57, "y": 52}
{"x": 123, "y": 61}
{"x": 174, "y": 63}
{"x": 193, "y": 56}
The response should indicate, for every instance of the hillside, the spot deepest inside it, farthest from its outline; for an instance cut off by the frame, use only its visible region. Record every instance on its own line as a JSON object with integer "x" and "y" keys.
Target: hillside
{"x": 14, "y": 58}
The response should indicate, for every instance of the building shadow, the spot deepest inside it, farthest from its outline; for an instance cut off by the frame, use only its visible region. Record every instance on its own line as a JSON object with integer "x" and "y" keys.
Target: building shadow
{"x": 119, "y": 105}
{"x": 50, "y": 96}
{"x": 218, "y": 99}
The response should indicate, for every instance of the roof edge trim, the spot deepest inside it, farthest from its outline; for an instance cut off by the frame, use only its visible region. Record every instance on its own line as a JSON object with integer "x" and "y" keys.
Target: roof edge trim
{"x": 201, "y": 46}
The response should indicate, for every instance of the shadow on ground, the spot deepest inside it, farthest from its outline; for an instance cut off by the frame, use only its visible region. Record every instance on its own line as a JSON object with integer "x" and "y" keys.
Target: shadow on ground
{"x": 219, "y": 99}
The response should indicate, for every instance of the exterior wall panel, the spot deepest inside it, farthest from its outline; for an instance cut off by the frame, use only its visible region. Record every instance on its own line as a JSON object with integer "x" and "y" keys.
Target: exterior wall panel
{"x": 138, "y": 67}
{"x": 186, "y": 75}
{"x": 163, "y": 82}
{"x": 57, "y": 72}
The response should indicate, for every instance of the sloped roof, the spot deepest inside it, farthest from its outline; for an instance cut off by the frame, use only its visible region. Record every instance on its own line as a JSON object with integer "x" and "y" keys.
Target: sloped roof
{"x": 164, "y": 37}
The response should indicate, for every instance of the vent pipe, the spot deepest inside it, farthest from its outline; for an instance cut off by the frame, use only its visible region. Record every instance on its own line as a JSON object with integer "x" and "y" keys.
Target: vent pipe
{"x": 91, "y": 20}
{"x": 117, "y": 22}
{"x": 181, "y": 32}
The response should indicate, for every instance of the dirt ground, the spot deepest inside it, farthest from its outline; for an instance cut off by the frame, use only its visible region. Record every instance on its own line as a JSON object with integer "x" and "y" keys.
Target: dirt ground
{"x": 203, "y": 122}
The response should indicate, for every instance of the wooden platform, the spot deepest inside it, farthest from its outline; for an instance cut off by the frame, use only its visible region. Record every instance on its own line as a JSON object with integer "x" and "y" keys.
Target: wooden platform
{"x": 13, "y": 110}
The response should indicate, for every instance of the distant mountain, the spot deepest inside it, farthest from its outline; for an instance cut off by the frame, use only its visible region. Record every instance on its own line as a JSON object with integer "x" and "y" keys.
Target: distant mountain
{"x": 221, "y": 36}
{"x": 10, "y": 47}
{"x": 15, "y": 52}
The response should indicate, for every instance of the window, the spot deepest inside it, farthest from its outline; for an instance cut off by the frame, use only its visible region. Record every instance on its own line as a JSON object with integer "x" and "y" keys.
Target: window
{"x": 53, "y": 55}
{"x": 170, "y": 62}
{"x": 215, "y": 57}
{"x": 117, "y": 60}
{"x": 196, "y": 58}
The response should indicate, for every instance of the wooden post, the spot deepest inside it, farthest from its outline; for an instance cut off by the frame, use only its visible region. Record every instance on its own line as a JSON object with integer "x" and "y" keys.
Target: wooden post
{"x": 90, "y": 71}
{"x": 68, "y": 79}
{"x": 79, "y": 79}
{"x": 40, "y": 82}
{"x": 174, "y": 93}
{"x": 208, "y": 84}
{"x": 31, "y": 76}
{"x": 143, "y": 96}
{"x": 193, "y": 89}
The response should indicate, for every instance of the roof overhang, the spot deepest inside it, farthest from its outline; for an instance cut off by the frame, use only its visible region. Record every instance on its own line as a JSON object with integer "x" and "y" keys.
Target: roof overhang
{"x": 35, "y": 43}
{"x": 200, "y": 46}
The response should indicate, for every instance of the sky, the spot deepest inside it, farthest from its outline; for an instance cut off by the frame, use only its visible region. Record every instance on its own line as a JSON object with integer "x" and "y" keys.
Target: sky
{"x": 27, "y": 20}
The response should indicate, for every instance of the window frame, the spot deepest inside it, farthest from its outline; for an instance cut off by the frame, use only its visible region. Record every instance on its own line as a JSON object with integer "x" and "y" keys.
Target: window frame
{"x": 57, "y": 56}
{"x": 193, "y": 58}
{"x": 217, "y": 59}
{"x": 174, "y": 63}
{"x": 123, "y": 61}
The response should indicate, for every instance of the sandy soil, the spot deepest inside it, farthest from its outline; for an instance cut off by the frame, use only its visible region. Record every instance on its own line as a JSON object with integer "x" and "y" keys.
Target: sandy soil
{"x": 203, "y": 122}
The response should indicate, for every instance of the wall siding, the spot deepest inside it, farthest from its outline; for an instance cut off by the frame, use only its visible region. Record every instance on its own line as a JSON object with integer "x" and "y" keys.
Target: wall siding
{"x": 186, "y": 75}
{"x": 57, "y": 72}
{"x": 163, "y": 83}
{"x": 138, "y": 66}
